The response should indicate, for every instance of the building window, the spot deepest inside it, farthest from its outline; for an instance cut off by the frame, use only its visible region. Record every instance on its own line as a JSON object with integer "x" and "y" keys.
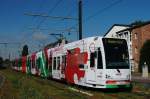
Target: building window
{"x": 130, "y": 35}
{"x": 130, "y": 49}
{"x": 126, "y": 34}
{"x": 135, "y": 50}
{"x": 135, "y": 36}
{"x": 119, "y": 35}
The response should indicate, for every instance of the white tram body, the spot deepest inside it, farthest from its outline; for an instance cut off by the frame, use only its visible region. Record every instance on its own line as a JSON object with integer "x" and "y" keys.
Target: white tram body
{"x": 95, "y": 62}
{"x": 92, "y": 62}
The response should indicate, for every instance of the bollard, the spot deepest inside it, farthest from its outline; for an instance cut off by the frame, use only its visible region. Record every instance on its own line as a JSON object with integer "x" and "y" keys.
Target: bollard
{"x": 145, "y": 70}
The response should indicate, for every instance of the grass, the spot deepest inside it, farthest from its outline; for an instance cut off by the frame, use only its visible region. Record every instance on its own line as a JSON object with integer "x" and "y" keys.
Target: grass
{"x": 22, "y": 86}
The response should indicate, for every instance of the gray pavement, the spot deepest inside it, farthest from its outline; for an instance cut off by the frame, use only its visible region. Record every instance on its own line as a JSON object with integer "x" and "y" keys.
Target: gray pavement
{"x": 140, "y": 79}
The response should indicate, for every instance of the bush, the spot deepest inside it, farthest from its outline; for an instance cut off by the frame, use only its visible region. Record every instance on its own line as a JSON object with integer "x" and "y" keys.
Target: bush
{"x": 1, "y": 61}
{"x": 145, "y": 55}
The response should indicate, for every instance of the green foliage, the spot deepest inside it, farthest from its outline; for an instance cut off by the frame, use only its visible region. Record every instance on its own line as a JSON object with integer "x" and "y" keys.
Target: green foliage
{"x": 137, "y": 22}
{"x": 25, "y": 50}
{"x": 2, "y": 63}
{"x": 7, "y": 62}
{"x": 145, "y": 55}
{"x": 22, "y": 86}
{"x": 1, "y": 60}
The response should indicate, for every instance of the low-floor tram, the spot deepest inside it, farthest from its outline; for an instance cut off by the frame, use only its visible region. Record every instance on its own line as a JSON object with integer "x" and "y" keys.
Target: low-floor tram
{"x": 95, "y": 62}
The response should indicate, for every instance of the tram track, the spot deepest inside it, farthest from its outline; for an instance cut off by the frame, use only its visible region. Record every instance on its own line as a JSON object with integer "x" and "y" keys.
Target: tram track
{"x": 139, "y": 91}
{"x": 60, "y": 86}
{"x": 119, "y": 94}
{"x": 96, "y": 93}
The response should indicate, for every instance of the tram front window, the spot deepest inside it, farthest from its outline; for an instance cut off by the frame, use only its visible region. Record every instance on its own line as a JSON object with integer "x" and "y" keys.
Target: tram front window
{"x": 116, "y": 53}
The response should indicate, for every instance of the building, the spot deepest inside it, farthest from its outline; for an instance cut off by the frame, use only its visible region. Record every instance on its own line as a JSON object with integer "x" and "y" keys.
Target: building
{"x": 115, "y": 28}
{"x": 135, "y": 36}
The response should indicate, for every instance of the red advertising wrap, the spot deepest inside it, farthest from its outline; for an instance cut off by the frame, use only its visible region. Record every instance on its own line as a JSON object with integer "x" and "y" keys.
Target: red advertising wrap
{"x": 24, "y": 60}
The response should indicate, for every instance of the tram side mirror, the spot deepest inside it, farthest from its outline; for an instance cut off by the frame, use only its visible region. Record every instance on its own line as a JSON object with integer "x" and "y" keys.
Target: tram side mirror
{"x": 81, "y": 65}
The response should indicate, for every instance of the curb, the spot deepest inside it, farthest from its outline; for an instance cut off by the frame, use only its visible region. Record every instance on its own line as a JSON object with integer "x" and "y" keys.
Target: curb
{"x": 140, "y": 79}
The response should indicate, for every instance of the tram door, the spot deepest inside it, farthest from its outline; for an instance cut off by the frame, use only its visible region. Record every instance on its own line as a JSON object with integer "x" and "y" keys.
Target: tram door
{"x": 99, "y": 67}
{"x": 91, "y": 70}
{"x": 56, "y": 67}
{"x": 95, "y": 70}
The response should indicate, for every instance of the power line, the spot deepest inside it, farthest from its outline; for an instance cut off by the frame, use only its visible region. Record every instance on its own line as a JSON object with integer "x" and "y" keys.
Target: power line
{"x": 40, "y": 7}
{"x": 52, "y": 17}
{"x": 98, "y": 12}
{"x": 50, "y": 11}
{"x": 31, "y": 22}
{"x": 103, "y": 10}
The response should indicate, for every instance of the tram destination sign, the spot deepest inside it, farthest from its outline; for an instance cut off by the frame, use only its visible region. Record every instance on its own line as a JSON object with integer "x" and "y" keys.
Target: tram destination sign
{"x": 114, "y": 41}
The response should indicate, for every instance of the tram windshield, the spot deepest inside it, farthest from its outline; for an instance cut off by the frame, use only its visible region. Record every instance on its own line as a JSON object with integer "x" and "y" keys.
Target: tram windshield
{"x": 116, "y": 53}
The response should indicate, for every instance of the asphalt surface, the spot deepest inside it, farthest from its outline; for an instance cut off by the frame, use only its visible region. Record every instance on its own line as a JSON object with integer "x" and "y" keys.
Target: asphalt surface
{"x": 140, "y": 79}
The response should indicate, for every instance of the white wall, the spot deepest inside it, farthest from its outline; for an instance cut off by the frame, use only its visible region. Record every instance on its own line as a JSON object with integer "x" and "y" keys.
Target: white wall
{"x": 112, "y": 32}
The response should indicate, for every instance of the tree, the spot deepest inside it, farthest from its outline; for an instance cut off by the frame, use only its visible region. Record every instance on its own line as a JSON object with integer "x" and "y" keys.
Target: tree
{"x": 145, "y": 55}
{"x": 1, "y": 61}
{"x": 25, "y": 50}
{"x": 137, "y": 22}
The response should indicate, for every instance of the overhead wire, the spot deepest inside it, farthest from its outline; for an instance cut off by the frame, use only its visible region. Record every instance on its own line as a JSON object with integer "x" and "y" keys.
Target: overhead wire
{"x": 98, "y": 12}
{"x": 103, "y": 10}
{"x": 49, "y": 12}
{"x": 26, "y": 27}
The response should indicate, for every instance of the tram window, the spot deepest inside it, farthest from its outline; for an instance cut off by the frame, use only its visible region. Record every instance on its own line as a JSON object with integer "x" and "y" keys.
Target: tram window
{"x": 81, "y": 66}
{"x": 99, "y": 61}
{"x": 58, "y": 63}
{"x": 33, "y": 64}
{"x": 64, "y": 60}
{"x": 92, "y": 60}
{"x": 50, "y": 62}
{"x": 38, "y": 63}
{"x": 46, "y": 63}
{"x": 54, "y": 63}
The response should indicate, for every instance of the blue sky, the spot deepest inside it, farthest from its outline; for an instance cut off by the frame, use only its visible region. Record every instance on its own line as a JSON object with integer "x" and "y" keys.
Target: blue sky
{"x": 17, "y": 27}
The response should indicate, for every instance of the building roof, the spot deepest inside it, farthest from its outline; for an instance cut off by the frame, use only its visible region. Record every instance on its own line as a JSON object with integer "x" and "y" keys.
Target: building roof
{"x": 116, "y": 25}
{"x": 133, "y": 27}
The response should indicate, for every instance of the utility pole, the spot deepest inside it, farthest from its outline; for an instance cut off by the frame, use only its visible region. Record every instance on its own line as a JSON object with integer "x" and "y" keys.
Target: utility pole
{"x": 80, "y": 19}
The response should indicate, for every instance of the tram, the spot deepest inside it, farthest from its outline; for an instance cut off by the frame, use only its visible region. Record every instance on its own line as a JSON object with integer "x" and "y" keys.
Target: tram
{"x": 95, "y": 62}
